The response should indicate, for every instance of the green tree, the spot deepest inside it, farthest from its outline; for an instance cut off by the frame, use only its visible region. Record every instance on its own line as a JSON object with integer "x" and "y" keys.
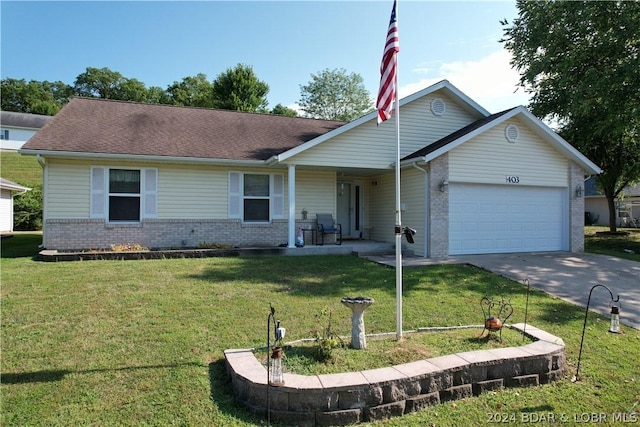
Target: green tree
{"x": 281, "y": 110}
{"x": 27, "y": 210}
{"x": 107, "y": 84}
{"x": 581, "y": 62}
{"x": 34, "y": 97}
{"x": 335, "y": 95}
{"x": 194, "y": 91}
{"x": 157, "y": 95}
{"x": 240, "y": 89}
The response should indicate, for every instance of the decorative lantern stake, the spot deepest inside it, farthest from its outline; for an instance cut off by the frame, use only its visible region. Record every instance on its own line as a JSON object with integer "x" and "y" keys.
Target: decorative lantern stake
{"x": 275, "y": 376}
{"x": 276, "y": 367}
{"x": 615, "y": 322}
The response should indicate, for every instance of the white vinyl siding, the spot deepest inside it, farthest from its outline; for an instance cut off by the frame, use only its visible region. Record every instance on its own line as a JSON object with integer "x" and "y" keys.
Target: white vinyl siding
{"x": 316, "y": 192}
{"x": 413, "y": 189}
{"x": 185, "y": 192}
{"x": 382, "y": 213}
{"x": 67, "y": 190}
{"x": 373, "y": 146}
{"x": 490, "y": 158}
{"x": 192, "y": 192}
{"x": 6, "y": 211}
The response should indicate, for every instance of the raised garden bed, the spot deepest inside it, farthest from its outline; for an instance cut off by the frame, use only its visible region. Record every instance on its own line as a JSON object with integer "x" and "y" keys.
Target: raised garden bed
{"x": 372, "y": 395}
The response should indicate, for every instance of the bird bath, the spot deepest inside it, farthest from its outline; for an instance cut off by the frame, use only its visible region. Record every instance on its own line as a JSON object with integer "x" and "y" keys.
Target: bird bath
{"x": 357, "y": 305}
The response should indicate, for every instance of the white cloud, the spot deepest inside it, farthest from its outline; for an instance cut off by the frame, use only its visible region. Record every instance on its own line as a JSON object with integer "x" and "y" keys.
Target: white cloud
{"x": 490, "y": 81}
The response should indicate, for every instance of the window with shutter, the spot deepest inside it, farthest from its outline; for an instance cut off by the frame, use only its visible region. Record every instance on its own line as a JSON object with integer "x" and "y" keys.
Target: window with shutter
{"x": 256, "y": 198}
{"x": 124, "y": 195}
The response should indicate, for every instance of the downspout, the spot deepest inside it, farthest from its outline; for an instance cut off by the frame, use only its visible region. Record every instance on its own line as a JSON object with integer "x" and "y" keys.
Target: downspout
{"x": 44, "y": 204}
{"x": 426, "y": 209}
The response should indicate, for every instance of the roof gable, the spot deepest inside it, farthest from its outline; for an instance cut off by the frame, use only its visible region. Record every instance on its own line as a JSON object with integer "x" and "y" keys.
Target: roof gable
{"x": 104, "y": 127}
{"x": 444, "y": 85}
{"x": 463, "y": 135}
{"x": 454, "y": 137}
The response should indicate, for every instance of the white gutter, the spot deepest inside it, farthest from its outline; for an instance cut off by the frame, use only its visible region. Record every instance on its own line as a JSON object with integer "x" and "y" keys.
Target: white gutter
{"x": 143, "y": 158}
{"x": 426, "y": 209}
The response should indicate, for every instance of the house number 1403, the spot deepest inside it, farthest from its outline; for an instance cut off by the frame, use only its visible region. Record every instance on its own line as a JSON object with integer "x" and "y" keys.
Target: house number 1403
{"x": 513, "y": 179}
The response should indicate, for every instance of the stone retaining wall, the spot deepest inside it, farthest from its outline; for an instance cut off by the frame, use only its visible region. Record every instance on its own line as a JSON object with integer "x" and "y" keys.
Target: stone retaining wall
{"x": 353, "y": 397}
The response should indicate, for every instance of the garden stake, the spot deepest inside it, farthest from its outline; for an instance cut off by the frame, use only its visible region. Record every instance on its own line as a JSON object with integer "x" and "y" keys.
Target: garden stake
{"x": 526, "y": 310}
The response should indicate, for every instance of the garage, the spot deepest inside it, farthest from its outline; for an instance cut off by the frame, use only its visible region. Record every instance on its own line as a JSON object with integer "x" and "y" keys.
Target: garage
{"x": 507, "y": 218}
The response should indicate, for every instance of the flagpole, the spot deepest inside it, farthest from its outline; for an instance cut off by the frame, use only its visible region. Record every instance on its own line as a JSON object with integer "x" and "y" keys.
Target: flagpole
{"x": 387, "y": 95}
{"x": 398, "y": 208}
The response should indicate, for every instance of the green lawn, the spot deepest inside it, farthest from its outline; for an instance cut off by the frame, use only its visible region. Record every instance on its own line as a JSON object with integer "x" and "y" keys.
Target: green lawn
{"x": 20, "y": 169}
{"x": 141, "y": 342}
{"x": 622, "y": 246}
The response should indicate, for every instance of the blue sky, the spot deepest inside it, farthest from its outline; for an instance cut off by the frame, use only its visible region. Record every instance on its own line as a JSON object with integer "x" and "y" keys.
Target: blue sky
{"x": 284, "y": 41}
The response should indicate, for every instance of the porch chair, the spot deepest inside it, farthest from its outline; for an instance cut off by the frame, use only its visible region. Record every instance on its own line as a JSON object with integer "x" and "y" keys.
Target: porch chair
{"x": 326, "y": 225}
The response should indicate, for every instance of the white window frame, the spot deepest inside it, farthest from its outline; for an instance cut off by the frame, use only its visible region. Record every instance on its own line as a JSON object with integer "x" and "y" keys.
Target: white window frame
{"x": 99, "y": 200}
{"x": 237, "y": 198}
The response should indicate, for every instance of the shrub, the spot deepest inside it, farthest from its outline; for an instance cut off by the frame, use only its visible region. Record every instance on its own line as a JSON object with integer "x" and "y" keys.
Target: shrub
{"x": 127, "y": 247}
{"x": 27, "y": 210}
{"x": 326, "y": 340}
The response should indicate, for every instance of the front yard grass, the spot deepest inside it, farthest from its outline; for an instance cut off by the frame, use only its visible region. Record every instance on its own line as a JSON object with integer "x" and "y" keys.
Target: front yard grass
{"x": 621, "y": 246}
{"x": 141, "y": 342}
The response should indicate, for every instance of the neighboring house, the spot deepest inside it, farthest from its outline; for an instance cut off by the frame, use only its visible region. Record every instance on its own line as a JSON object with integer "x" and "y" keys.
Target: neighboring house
{"x": 8, "y": 190}
{"x": 162, "y": 176}
{"x": 18, "y": 128}
{"x": 597, "y": 211}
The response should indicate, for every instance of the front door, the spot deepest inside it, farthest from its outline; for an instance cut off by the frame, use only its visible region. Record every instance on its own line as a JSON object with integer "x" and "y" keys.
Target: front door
{"x": 349, "y": 209}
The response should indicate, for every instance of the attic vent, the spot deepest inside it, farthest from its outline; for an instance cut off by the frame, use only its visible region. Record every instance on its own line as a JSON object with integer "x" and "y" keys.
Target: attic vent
{"x": 512, "y": 133}
{"x": 438, "y": 107}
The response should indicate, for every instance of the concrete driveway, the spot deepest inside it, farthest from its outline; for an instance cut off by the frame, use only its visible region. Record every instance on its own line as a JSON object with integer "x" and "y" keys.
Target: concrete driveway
{"x": 568, "y": 276}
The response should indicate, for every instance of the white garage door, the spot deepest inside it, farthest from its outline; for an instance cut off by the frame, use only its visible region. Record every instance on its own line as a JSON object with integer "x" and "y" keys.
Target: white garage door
{"x": 486, "y": 219}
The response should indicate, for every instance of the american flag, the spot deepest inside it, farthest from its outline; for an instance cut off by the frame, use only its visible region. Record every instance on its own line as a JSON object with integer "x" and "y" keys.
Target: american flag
{"x": 387, "y": 92}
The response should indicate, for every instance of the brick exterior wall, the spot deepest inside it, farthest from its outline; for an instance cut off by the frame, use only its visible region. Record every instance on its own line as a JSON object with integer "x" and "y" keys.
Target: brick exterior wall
{"x": 77, "y": 234}
{"x": 576, "y": 209}
{"x": 438, "y": 208}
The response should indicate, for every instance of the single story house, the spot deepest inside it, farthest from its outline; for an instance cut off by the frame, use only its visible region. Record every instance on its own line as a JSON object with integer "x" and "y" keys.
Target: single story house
{"x": 162, "y": 176}
{"x": 18, "y": 128}
{"x": 597, "y": 210}
{"x": 8, "y": 190}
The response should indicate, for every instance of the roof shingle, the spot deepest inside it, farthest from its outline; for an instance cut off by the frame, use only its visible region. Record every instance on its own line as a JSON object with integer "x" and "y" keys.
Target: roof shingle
{"x": 99, "y": 126}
